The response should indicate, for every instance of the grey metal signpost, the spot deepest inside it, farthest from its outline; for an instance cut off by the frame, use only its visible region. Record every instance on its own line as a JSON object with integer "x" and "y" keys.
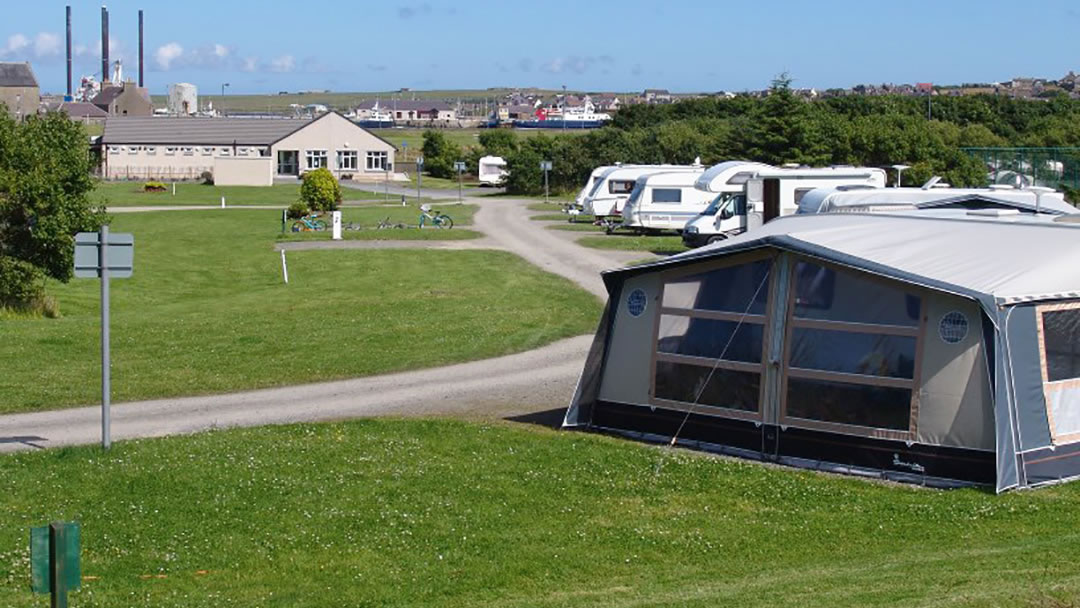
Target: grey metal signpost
{"x": 103, "y": 255}
{"x": 545, "y": 166}
{"x": 419, "y": 176}
{"x": 459, "y": 167}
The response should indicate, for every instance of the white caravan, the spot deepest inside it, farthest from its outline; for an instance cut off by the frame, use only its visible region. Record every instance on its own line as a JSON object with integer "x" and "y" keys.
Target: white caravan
{"x": 847, "y": 200}
{"x": 664, "y": 201}
{"x": 768, "y": 194}
{"x": 609, "y": 194}
{"x": 594, "y": 177}
{"x": 491, "y": 170}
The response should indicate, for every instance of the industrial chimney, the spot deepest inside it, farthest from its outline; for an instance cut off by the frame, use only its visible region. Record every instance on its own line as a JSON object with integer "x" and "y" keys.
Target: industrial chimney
{"x": 141, "y": 49}
{"x": 104, "y": 44}
{"x": 69, "y": 51}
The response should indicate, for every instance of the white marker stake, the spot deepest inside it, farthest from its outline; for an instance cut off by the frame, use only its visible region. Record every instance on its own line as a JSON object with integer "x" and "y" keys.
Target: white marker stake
{"x": 284, "y": 267}
{"x": 223, "y": 202}
{"x": 174, "y": 188}
{"x": 336, "y": 224}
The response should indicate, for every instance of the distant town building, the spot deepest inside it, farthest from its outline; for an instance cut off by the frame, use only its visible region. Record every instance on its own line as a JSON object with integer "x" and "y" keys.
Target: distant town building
{"x": 19, "y": 89}
{"x": 124, "y": 99}
{"x": 656, "y": 95}
{"x": 183, "y": 99}
{"x": 408, "y": 110}
{"x": 80, "y": 111}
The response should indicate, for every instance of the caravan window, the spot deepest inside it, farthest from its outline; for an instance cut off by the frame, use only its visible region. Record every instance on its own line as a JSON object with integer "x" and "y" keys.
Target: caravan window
{"x": 620, "y": 186}
{"x": 667, "y": 195}
{"x": 1059, "y": 338}
{"x": 710, "y": 339}
{"x": 853, "y": 343}
{"x": 740, "y": 178}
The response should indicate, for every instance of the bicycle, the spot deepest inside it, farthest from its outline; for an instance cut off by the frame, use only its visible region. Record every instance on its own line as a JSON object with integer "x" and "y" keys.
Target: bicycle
{"x": 308, "y": 223}
{"x": 438, "y": 219}
{"x": 387, "y": 224}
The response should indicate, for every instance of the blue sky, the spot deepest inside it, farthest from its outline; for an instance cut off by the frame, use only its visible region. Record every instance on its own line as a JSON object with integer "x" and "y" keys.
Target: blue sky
{"x": 681, "y": 45}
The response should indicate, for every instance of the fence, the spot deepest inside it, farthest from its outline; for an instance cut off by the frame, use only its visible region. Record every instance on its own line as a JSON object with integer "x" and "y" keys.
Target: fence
{"x": 1052, "y": 167}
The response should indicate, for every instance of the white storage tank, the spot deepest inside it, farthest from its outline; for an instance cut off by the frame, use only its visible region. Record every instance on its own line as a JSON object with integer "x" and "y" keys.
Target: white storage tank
{"x": 183, "y": 99}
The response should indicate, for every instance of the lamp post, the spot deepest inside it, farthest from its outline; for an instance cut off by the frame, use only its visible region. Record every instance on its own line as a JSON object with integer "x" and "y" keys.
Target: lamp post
{"x": 223, "y": 85}
{"x": 459, "y": 166}
{"x": 419, "y": 176}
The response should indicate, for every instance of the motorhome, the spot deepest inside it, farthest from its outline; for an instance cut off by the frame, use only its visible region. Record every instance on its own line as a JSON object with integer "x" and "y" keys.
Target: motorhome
{"x": 664, "y": 201}
{"x": 653, "y": 205}
{"x": 768, "y": 194}
{"x": 608, "y": 195}
{"x": 491, "y": 170}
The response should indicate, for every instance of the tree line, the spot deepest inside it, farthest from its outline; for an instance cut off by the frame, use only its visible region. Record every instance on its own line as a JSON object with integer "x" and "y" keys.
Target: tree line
{"x": 783, "y": 128}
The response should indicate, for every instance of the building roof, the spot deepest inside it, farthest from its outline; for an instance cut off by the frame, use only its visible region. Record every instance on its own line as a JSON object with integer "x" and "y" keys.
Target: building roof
{"x": 996, "y": 263}
{"x": 79, "y": 109}
{"x": 197, "y": 131}
{"x": 17, "y": 75}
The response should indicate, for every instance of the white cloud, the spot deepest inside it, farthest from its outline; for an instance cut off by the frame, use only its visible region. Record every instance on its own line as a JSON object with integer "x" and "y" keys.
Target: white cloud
{"x": 284, "y": 63}
{"x": 221, "y": 51}
{"x": 166, "y": 55}
{"x": 249, "y": 64}
{"x": 46, "y": 45}
{"x": 15, "y": 44}
{"x": 575, "y": 64}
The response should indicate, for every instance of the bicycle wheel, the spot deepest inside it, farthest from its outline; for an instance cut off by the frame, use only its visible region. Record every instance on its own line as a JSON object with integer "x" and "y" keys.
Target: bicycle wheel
{"x": 319, "y": 225}
{"x": 298, "y": 226}
{"x": 444, "y": 221}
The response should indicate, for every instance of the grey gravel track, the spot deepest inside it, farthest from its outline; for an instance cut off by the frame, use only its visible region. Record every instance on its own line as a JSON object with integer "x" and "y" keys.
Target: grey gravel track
{"x": 515, "y": 385}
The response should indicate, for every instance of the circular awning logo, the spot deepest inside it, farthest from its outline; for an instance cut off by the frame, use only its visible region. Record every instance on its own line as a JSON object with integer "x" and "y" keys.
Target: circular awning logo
{"x": 953, "y": 327}
{"x": 637, "y": 302}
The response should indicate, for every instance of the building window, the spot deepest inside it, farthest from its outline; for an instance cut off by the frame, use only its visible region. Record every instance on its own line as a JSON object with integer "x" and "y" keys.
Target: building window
{"x": 133, "y": 150}
{"x": 377, "y": 161}
{"x": 1059, "y": 349}
{"x": 241, "y": 151}
{"x": 151, "y": 150}
{"x": 288, "y": 162}
{"x": 170, "y": 151}
{"x": 114, "y": 150}
{"x": 207, "y": 151}
{"x": 347, "y": 160}
{"x": 316, "y": 159}
{"x": 188, "y": 151}
{"x": 853, "y": 344}
{"x": 226, "y": 152}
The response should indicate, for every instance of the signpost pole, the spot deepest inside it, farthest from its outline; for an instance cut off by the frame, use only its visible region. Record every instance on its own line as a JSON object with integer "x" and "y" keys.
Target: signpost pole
{"x": 103, "y": 257}
{"x": 58, "y": 582}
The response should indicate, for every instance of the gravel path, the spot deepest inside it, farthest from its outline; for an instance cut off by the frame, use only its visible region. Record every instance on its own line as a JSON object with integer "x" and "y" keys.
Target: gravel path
{"x": 523, "y": 384}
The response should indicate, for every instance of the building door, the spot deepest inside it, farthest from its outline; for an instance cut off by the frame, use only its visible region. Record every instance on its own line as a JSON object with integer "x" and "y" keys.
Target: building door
{"x": 288, "y": 162}
{"x": 771, "y": 195}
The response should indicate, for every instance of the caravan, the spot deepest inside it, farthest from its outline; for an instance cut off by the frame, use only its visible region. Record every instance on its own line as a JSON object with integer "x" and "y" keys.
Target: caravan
{"x": 666, "y": 201}
{"x": 609, "y": 194}
{"x": 491, "y": 170}
{"x": 1002, "y": 198}
{"x": 768, "y": 194}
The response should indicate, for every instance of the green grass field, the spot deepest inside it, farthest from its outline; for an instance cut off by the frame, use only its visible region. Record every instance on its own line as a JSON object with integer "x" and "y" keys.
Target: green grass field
{"x": 131, "y": 194}
{"x": 207, "y": 312}
{"x": 660, "y": 245}
{"x": 446, "y": 513}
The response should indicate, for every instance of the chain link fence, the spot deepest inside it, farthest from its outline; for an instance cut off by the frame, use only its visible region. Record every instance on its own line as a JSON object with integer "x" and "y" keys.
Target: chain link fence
{"x": 1051, "y": 167}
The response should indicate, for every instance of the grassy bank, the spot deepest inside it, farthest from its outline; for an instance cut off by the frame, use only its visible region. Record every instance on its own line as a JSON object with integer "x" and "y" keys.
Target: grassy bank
{"x": 660, "y": 245}
{"x": 206, "y": 312}
{"x": 443, "y": 513}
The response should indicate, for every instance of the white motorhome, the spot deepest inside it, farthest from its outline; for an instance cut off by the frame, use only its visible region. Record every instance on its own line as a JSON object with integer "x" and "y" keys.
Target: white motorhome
{"x": 491, "y": 170}
{"x": 768, "y": 194}
{"x": 847, "y": 200}
{"x": 664, "y": 201}
{"x": 609, "y": 194}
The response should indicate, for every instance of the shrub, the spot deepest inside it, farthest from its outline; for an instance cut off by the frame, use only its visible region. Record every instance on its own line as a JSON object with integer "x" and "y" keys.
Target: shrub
{"x": 320, "y": 190}
{"x": 297, "y": 210}
{"x": 155, "y": 187}
{"x": 21, "y": 284}
{"x": 207, "y": 178}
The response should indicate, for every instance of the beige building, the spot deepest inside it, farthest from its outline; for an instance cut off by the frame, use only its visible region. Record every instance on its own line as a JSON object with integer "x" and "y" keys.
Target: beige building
{"x": 124, "y": 99}
{"x": 19, "y": 89}
{"x": 184, "y": 148}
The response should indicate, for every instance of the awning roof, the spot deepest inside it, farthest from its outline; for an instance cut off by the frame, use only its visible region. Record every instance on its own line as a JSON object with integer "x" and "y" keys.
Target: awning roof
{"x": 1002, "y": 262}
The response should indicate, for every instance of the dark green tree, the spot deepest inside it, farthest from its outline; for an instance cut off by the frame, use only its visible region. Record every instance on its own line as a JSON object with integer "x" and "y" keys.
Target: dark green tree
{"x": 45, "y": 198}
{"x": 440, "y": 154}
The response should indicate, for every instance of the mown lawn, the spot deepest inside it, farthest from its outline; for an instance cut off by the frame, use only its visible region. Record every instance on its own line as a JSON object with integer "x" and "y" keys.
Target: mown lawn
{"x": 660, "y": 245}
{"x": 207, "y": 312}
{"x": 447, "y": 513}
{"x": 131, "y": 194}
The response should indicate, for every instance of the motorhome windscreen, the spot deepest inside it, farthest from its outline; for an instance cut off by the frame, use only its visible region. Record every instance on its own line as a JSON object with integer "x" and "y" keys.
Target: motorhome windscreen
{"x": 620, "y": 186}
{"x": 727, "y": 199}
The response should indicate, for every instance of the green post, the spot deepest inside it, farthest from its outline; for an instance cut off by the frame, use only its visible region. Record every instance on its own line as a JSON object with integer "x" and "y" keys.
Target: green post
{"x": 58, "y": 580}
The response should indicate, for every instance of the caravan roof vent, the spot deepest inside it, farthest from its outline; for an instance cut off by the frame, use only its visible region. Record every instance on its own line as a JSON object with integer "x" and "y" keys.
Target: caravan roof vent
{"x": 1001, "y": 187}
